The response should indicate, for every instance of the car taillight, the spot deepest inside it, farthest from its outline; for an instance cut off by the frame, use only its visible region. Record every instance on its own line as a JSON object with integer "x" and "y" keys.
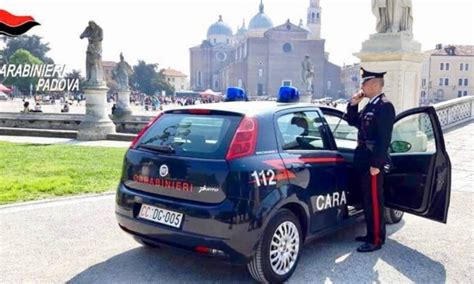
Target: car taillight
{"x": 144, "y": 129}
{"x": 199, "y": 111}
{"x": 245, "y": 139}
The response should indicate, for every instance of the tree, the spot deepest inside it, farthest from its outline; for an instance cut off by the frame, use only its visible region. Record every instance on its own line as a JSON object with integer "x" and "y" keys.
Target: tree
{"x": 147, "y": 80}
{"x": 31, "y": 43}
{"x": 142, "y": 77}
{"x": 23, "y": 57}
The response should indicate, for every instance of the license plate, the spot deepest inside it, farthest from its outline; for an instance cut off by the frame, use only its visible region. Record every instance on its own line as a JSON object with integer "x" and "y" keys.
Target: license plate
{"x": 160, "y": 215}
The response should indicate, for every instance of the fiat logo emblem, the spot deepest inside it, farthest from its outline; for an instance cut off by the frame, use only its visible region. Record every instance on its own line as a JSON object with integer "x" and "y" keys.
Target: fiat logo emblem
{"x": 164, "y": 170}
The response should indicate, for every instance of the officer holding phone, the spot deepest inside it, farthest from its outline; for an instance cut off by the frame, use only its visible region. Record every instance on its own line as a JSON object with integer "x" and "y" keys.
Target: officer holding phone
{"x": 375, "y": 124}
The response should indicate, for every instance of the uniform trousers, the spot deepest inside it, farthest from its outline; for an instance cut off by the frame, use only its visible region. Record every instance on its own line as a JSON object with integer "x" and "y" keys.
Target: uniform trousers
{"x": 372, "y": 196}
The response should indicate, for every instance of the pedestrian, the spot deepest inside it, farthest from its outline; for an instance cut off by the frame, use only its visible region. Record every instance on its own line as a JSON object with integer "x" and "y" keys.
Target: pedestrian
{"x": 38, "y": 108}
{"x": 26, "y": 106}
{"x": 371, "y": 157}
{"x": 65, "y": 107}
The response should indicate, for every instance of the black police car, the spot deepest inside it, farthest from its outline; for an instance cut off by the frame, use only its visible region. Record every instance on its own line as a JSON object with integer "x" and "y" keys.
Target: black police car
{"x": 251, "y": 182}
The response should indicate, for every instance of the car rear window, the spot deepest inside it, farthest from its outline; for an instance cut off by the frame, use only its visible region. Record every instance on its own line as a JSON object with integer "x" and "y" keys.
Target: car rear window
{"x": 191, "y": 135}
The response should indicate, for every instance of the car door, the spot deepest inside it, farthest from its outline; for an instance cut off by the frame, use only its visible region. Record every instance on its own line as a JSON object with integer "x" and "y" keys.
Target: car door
{"x": 345, "y": 137}
{"x": 314, "y": 167}
{"x": 420, "y": 180}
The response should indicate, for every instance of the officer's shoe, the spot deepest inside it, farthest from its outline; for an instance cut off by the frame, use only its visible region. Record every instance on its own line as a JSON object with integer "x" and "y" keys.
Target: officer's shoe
{"x": 368, "y": 247}
{"x": 365, "y": 239}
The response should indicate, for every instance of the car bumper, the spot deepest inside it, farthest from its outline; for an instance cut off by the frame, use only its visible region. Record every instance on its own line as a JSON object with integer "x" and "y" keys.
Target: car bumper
{"x": 218, "y": 227}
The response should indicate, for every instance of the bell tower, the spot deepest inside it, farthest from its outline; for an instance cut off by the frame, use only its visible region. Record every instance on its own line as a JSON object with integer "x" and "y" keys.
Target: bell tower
{"x": 314, "y": 19}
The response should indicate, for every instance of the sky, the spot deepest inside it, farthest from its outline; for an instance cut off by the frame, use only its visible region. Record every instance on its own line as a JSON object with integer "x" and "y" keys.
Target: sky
{"x": 162, "y": 31}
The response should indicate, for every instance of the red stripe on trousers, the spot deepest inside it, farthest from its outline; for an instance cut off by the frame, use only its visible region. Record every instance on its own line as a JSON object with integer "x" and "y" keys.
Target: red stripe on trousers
{"x": 375, "y": 204}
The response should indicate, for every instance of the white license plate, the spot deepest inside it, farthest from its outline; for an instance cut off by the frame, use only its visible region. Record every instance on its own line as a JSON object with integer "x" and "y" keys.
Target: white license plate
{"x": 159, "y": 215}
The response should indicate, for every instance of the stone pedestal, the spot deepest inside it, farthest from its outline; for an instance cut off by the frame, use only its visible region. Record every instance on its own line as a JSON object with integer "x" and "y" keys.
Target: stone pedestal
{"x": 400, "y": 56}
{"x": 305, "y": 98}
{"x": 123, "y": 109}
{"x": 96, "y": 123}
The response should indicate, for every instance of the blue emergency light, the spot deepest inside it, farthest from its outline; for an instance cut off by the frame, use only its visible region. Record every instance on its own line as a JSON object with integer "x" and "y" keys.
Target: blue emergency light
{"x": 235, "y": 94}
{"x": 288, "y": 94}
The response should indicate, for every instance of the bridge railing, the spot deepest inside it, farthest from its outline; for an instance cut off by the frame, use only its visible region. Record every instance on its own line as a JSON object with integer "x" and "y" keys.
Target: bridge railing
{"x": 455, "y": 112}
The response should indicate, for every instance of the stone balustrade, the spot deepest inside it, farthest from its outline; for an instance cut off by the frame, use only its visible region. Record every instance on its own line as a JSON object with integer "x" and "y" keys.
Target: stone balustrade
{"x": 455, "y": 112}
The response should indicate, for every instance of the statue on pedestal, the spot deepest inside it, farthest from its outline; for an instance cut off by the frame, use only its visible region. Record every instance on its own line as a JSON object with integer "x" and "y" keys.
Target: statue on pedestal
{"x": 307, "y": 74}
{"x": 94, "y": 70}
{"x": 393, "y": 15}
{"x": 121, "y": 73}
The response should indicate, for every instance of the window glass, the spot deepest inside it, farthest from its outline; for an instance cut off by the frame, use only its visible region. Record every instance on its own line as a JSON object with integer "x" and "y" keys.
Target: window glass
{"x": 301, "y": 131}
{"x": 287, "y": 47}
{"x": 344, "y": 134}
{"x": 193, "y": 135}
{"x": 413, "y": 134}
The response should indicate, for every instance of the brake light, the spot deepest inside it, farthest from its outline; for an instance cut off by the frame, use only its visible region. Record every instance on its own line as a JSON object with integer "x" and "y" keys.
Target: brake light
{"x": 144, "y": 129}
{"x": 201, "y": 249}
{"x": 245, "y": 139}
{"x": 199, "y": 111}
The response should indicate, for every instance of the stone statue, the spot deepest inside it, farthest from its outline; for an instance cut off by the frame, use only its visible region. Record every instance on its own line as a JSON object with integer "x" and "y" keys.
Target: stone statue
{"x": 120, "y": 74}
{"x": 393, "y": 15}
{"x": 94, "y": 70}
{"x": 307, "y": 73}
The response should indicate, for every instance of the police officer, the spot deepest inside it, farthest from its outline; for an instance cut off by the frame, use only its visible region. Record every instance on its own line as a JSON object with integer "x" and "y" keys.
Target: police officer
{"x": 375, "y": 124}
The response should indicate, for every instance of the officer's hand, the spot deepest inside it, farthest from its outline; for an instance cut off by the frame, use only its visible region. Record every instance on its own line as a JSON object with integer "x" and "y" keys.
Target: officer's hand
{"x": 374, "y": 171}
{"x": 357, "y": 97}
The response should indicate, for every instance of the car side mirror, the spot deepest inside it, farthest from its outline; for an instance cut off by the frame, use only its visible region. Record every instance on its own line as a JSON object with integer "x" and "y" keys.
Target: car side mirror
{"x": 318, "y": 120}
{"x": 400, "y": 147}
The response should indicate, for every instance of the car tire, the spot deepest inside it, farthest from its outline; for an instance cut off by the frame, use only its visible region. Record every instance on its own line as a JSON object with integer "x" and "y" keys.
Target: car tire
{"x": 146, "y": 243}
{"x": 286, "y": 226}
{"x": 393, "y": 216}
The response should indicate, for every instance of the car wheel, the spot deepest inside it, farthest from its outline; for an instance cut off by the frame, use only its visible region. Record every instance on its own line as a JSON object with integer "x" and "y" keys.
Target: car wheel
{"x": 278, "y": 251}
{"x": 145, "y": 243}
{"x": 393, "y": 216}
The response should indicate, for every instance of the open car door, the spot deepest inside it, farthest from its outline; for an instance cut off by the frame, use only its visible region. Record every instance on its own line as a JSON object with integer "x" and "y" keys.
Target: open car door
{"x": 420, "y": 179}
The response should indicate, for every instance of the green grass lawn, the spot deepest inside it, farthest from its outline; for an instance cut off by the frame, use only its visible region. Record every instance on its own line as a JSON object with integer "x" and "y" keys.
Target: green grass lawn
{"x": 32, "y": 171}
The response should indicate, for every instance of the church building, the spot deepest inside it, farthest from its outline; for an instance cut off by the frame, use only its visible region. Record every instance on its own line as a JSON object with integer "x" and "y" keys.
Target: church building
{"x": 263, "y": 57}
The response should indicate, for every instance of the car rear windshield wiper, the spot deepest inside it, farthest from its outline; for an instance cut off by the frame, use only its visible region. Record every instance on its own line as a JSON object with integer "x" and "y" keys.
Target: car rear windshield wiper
{"x": 159, "y": 148}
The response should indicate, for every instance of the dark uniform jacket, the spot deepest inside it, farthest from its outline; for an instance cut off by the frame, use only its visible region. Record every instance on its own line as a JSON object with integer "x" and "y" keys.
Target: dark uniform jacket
{"x": 375, "y": 124}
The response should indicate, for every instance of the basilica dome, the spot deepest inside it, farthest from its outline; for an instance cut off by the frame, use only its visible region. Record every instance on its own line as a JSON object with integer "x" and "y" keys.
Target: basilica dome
{"x": 242, "y": 30}
{"x": 260, "y": 21}
{"x": 219, "y": 28}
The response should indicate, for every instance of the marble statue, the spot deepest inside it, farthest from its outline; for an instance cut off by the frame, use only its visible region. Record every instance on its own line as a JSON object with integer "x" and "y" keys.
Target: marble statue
{"x": 307, "y": 74}
{"x": 94, "y": 70}
{"x": 393, "y": 15}
{"x": 121, "y": 73}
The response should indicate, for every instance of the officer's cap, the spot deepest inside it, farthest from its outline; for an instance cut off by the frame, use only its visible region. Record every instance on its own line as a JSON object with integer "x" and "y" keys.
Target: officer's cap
{"x": 367, "y": 75}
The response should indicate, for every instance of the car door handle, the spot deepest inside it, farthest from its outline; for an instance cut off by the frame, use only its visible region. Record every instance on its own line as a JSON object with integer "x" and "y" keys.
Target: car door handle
{"x": 297, "y": 166}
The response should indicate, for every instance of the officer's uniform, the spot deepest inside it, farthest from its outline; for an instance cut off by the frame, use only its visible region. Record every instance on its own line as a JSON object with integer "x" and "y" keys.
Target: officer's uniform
{"x": 375, "y": 124}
